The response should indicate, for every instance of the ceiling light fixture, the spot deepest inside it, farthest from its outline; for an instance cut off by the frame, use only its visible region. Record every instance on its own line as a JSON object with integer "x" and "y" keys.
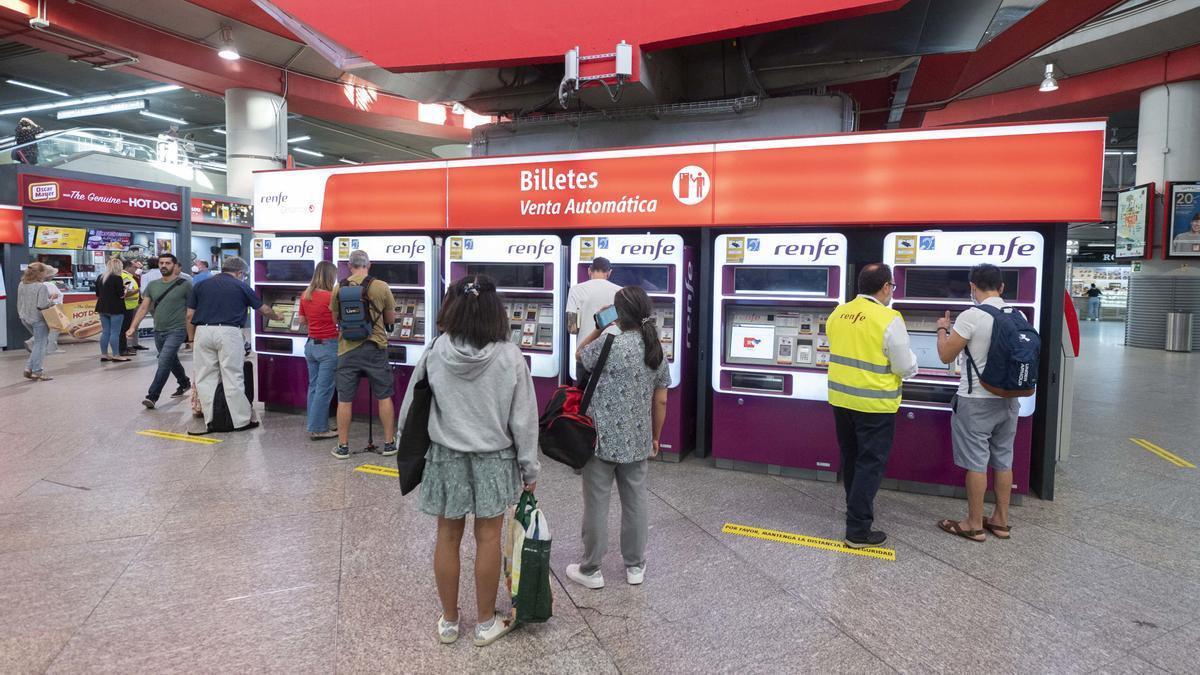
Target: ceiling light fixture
{"x": 306, "y": 151}
{"x": 228, "y": 50}
{"x": 351, "y": 162}
{"x": 299, "y": 139}
{"x": 85, "y": 100}
{"x": 219, "y": 130}
{"x": 208, "y": 155}
{"x": 1049, "y": 83}
{"x": 164, "y": 118}
{"x": 36, "y": 87}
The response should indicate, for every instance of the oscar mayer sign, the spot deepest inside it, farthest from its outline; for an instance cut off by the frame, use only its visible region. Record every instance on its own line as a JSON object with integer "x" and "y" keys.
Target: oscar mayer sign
{"x": 75, "y": 195}
{"x": 1041, "y": 172}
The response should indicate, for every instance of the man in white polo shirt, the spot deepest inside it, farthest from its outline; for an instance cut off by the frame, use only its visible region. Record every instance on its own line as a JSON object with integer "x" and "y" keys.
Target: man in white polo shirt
{"x": 984, "y": 425}
{"x": 584, "y": 300}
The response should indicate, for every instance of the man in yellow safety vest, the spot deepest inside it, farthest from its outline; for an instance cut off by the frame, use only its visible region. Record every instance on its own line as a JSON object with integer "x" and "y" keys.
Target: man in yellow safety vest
{"x": 869, "y": 356}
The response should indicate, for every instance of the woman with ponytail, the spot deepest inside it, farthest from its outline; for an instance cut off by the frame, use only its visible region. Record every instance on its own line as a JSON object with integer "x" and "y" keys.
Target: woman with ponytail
{"x": 628, "y": 408}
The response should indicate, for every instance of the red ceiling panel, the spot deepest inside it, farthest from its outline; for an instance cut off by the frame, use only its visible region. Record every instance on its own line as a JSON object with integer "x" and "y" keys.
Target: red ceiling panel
{"x": 423, "y": 35}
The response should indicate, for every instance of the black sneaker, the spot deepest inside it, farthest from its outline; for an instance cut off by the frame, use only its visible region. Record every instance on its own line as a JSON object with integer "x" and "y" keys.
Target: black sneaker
{"x": 341, "y": 452}
{"x": 252, "y": 424}
{"x": 875, "y": 538}
{"x": 182, "y": 391}
{"x": 389, "y": 450}
{"x": 148, "y": 402}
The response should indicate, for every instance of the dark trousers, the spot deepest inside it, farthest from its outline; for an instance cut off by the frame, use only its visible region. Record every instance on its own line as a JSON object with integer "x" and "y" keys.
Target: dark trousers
{"x": 168, "y": 343}
{"x": 866, "y": 442}
{"x": 126, "y": 322}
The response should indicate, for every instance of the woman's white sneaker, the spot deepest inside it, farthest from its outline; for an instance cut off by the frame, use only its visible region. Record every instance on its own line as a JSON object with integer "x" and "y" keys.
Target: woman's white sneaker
{"x": 634, "y": 575}
{"x": 447, "y": 632}
{"x": 497, "y": 628}
{"x": 594, "y": 580}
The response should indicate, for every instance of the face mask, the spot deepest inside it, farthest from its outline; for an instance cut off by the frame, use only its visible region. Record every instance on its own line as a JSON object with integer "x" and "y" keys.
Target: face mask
{"x": 195, "y": 270}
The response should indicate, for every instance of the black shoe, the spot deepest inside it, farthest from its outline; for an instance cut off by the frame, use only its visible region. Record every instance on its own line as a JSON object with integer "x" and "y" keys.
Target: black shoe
{"x": 875, "y": 538}
{"x": 148, "y": 402}
{"x": 142, "y": 349}
{"x": 182, "y": 391}
{"x": 253, "y": 424}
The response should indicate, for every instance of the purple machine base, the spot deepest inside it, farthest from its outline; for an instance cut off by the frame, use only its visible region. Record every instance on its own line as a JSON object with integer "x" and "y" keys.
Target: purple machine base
{"x": 922, "y": 452}
{"x": 790, "y": 433}
{"x": 283, "y": 385}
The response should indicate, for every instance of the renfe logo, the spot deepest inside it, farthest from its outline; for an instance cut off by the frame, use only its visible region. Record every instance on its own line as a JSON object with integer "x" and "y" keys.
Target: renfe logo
{"x": 658, "y": 248}
{"x": 691, "y": 185}
{"x": 411, "y": 249}
{"x": 998, "y": 249}
{"x": 300, "y": 249}
{"x": 277, "y": 199}
{"x": 815, "y": 250}
{"x": 534, "y": 251}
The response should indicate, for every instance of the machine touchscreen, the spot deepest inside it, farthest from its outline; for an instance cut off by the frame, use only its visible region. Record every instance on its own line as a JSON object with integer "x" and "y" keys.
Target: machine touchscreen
{"x": 951, "y": 283}
{"x": 924, "y": 346}
{"x": 652, "y": 278}
{"x": 775, "y": 336}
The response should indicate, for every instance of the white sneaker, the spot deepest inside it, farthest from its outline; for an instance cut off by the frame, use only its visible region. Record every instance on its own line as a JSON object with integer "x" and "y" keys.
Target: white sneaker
{"x": 499, "y": 628}
{"x": 447, "y": 632}
{"x": 594, "y": 580}
{"x": 634, "y": 575}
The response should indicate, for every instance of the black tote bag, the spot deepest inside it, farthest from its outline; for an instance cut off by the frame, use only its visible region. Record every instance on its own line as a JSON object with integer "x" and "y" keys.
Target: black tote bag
{"x": 414, "y": 440}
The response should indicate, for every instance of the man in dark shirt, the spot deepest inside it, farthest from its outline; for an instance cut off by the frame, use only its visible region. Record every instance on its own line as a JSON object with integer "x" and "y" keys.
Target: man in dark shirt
{"x": 1093, "y": 296}
{"x": 217, "y": 310}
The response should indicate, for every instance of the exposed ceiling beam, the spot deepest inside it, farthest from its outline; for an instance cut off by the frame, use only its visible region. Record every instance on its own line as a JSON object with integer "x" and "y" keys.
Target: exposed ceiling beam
{"x": 943, "y": 78}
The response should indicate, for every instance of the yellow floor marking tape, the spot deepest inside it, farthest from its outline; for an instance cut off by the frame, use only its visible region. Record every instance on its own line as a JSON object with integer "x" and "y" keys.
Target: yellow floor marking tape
{"x": 378, "y": 470}
{"x": 202, "y": 440}
{"x": 1165, "y": 454}
{"x": 811, "y": 542}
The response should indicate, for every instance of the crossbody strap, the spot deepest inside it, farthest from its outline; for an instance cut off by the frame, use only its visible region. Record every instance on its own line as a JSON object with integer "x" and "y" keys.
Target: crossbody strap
{"x": 595, "y": 377}
{"x": 154, "y": 303}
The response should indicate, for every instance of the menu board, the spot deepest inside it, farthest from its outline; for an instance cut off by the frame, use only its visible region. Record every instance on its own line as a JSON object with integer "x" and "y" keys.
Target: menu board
{"x": 1184, "y": 219}
{"x": 1133, "y": 214}
{"x": 108, "y": 240}
{"x": 59, "y": 237}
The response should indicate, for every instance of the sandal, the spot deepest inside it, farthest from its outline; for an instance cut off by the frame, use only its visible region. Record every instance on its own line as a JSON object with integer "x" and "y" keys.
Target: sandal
{"x": 951, "y": 527}
{"x": 122, "y": 359}
{"x": 998, "y": 531}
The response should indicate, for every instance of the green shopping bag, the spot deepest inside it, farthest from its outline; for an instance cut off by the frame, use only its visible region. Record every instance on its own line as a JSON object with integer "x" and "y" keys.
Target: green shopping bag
{"x": 532, "y": 598}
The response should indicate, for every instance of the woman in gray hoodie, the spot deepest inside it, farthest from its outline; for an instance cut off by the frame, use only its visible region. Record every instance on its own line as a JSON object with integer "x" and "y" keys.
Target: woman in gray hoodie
{"x": 483, "y": 428}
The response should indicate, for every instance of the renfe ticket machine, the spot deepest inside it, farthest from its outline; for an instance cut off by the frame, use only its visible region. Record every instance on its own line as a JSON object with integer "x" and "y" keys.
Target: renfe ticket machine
{"x": 663, "y": 267}
{"x": 772, "y": 293}
{"x": 527, "y": 271}
{"x": 410, "y": 267}
{"x": 932, "y": 274}
{"x": 280, "y": 269}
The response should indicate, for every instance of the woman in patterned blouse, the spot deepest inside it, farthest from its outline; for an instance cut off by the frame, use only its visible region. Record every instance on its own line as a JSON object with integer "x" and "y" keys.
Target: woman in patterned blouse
{"x": 628, "y": 408}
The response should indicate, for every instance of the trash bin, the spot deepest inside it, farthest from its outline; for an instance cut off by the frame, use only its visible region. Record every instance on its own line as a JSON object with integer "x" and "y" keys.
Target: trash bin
{"x": 1179, "y": 332}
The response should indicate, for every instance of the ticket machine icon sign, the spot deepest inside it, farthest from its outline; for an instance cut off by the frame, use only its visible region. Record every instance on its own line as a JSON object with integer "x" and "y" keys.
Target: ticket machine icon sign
{"x": 587, "y": 248}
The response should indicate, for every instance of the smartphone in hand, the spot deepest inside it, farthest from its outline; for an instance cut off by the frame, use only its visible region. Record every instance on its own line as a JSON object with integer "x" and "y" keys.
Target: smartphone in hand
{"x": 606, "y": 316}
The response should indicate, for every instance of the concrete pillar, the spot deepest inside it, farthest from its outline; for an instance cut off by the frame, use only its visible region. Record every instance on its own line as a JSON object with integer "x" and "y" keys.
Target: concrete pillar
{"x": 255, "y": 137}
{"x": 1168, "y": 150}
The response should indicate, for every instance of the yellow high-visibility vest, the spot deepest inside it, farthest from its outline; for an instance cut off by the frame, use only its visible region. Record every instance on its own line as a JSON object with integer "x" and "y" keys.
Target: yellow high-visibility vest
{"x": 860, "y": 375}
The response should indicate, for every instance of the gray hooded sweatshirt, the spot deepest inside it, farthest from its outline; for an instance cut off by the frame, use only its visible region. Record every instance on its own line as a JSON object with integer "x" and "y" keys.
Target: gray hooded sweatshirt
{"x": 483, "y": 400}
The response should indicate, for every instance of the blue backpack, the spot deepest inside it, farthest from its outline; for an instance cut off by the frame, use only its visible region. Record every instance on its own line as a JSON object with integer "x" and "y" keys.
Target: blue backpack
{"x": 354, "y": 310}
{"x": 1013, "y": 357}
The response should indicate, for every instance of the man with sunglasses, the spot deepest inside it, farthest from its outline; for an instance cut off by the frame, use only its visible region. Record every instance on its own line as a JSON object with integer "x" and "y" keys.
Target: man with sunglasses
{"x": 869, "y": 356}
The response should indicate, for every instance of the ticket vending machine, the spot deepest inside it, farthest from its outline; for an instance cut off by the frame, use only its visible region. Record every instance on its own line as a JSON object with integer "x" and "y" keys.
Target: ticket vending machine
{"x": 664, "y": 267}
{"x": 527, "y": 270}
{"x": 932, "y": 275}
{"x": 410, "y": 267}
{"x": 280, "y": 269}
{"x": 772, "y": 294}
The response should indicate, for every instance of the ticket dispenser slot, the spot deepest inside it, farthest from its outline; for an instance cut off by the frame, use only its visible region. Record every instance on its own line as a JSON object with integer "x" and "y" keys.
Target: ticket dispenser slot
{"x": 758, "y": 382}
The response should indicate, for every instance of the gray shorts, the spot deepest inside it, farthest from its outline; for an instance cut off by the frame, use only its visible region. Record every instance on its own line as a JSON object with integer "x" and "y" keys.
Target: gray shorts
{"x": 366, "y": 360}
{"x": 983, "y": 430}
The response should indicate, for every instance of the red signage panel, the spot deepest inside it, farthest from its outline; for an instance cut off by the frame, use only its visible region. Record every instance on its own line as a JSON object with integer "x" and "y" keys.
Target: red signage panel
{"x": 12, "y": 225}
{"x": 652, "y": 187}
{"x": 978, "y": 175}
{"x": 44, "y": 192}
{"x": 412, "y": 199}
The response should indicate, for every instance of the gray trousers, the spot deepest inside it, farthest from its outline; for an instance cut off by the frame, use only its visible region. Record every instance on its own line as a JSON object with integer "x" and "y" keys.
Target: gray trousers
{"x": 597, "y": 488}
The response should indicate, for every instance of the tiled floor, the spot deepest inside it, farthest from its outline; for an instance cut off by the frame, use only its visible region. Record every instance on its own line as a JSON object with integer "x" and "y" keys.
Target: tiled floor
{"x": 125, "y": 553}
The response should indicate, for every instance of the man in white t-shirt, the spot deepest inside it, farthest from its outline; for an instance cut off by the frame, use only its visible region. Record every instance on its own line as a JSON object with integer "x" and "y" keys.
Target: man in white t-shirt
{"x": 983, "y": 425}
{"x": 584, "y": 300}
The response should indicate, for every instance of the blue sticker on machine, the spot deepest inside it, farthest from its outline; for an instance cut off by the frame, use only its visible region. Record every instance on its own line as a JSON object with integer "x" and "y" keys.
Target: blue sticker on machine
{"x": 927, "y": 243}
{"x": 602, "y": 242}
{"x": 752, "y": 244}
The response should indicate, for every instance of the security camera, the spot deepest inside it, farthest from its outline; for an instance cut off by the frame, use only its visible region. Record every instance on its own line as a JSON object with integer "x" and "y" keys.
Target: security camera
{"x": 39, "y": 23}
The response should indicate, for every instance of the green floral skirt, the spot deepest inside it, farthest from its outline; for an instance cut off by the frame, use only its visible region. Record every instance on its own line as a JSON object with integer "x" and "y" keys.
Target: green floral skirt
{"x": 457, "y": 483}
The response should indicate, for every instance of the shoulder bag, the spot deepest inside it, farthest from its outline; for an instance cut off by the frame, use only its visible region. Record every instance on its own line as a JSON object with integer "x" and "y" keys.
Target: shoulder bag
{"x": 414, "y": 439}
{"x": 565, "y": 432}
